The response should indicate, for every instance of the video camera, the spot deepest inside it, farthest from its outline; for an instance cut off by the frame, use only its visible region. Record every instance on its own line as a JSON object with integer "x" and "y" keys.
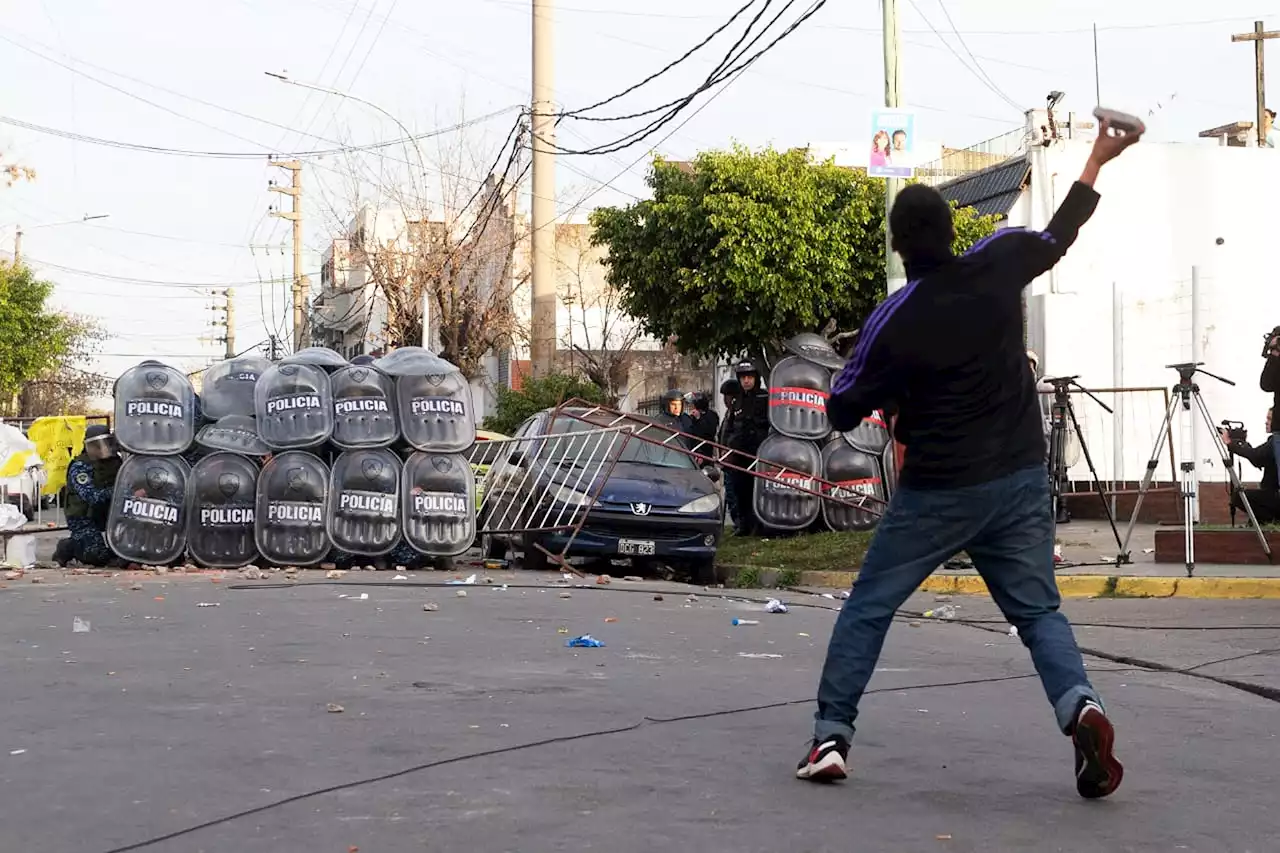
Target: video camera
{"x": 1236, "y": 433}
{"x": 1267, "y": 339}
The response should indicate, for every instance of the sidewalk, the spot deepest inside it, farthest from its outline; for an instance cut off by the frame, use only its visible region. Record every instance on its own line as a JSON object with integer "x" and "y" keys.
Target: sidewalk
{"x": 1088, "y": 570}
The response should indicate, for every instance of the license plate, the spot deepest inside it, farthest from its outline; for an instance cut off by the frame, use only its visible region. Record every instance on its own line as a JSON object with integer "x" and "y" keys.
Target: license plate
{"x": 638, "y": 547}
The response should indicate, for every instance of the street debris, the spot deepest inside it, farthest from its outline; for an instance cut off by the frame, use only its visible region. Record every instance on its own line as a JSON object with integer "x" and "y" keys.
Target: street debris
{"x": 586, "y": 641}
{"x": 37, "y": 579}
{"x": 604, "y": 580}
{"x": 333, "y": 574}
{"x": 775, "y": 606}
{"x": 1013, "y": 630}
{"x": 135, "y": 587}
{"x": 12, "y": 576}
{"x": 737, "y": 622}
{"x": 914, "y": 624}
{"x": 828, "y": 595}
{"x": 758, "y": 655}
{"x": 562, "y": 630}
{"x": 80, "y": 626}
{"x": 470, "y": 581}
{"x": 364, "y": 596}
{"x": 494, "y": 565}
{"x": 943, "y": 837}
{"x": 400, "y": 578}
{"x": 802, "y": 634}
{"x": 16, "y": 751}
{"x": 633, "y": 579}
{"x": 462, "y": 593}
{"x": 252, "y": 573}
{"x": 431, "y": 607}
{"x": 611, "y": 618}
{"x": 209, "y": 604}
{"x": 946, "y": 611}
{"x": 692, "y": 599}
{"x": 657, "y": 598}
{"x": 334, "y": 708}
{"x": 566, "y": 594}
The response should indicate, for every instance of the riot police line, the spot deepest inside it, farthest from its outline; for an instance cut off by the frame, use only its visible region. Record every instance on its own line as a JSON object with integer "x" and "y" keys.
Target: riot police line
{"x": 294, "y": 461}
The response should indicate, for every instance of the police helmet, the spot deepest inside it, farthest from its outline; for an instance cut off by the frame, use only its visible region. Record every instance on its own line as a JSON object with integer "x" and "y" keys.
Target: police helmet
{"x": 731, "y": 386}
{"x": 746, "y": 367}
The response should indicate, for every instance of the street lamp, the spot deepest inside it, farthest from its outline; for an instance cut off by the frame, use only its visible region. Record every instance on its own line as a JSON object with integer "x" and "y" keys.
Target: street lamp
{"x": 284, "y": 78}
{"x": 17, "y": 236}
{"x": 422, "y": 166}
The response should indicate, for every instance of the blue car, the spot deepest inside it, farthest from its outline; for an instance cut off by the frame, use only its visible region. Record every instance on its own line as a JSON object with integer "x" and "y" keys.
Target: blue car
{"x": 655, "y": 503}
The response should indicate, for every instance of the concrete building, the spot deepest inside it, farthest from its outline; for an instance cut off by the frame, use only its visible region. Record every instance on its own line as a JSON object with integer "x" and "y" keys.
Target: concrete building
{"x": 1172, "y": 268}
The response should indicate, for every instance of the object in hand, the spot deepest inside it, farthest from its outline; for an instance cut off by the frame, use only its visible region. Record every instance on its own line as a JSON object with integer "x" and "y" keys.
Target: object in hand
{"x": 1122, "y": 122}
{"x": 1270, "y": 343}
{"x": 1234, "y": 432}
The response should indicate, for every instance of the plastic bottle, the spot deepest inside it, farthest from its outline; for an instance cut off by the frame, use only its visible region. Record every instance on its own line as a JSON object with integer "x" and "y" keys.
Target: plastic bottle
{"x": 737, "y": 622}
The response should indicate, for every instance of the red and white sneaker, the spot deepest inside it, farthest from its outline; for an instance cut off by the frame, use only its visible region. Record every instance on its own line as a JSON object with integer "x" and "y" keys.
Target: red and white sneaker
{"x": 824, "y": 762}
{"x": 1098, "y": 773}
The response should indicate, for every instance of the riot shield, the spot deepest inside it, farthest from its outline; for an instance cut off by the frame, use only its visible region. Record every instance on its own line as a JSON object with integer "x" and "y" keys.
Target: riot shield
{"x": 294, "y": 406}
{"x": 439, "y": 500}
{"x": 322, "y": 357}
{"x": 155, "y": 410}
{"x": 436, "y": 412}
{"x": 414, "y": 361}
{"x": 234, "y": 434}
{"x": 798, "y": 392}
{"x": 228, "y": 386}
{"x": 852, "y": 473}
{"x": 870, "y": 436}
{"x": 223, "y": 493}
{"x": 364, "y": 413}
{"x": 815, "y": 348}
{"x": 364, "y": 501}
{"x": 147, "y": 522}
{"x": 779, "y": 505}
{"x": 889, "y": 469}
{"x": 291, "y": 508}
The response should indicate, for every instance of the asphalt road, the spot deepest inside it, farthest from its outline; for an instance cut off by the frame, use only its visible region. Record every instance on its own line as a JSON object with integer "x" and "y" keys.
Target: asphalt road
{"x": 166, "y": 715}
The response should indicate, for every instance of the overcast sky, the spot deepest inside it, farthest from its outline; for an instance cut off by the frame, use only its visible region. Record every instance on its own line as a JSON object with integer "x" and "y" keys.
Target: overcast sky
{"x": 144, "y": 73}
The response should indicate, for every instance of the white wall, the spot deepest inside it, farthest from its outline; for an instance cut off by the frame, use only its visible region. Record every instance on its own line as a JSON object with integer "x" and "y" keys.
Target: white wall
{"x": 1163, "y": 208}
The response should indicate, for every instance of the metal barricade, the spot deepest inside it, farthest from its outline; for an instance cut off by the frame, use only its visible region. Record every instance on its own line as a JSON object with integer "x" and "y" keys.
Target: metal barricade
{"x": 542, "y": 484}
{"x": 710, "y": 453}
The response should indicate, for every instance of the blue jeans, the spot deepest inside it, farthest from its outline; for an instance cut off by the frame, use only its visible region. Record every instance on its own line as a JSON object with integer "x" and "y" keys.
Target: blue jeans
{"x": 1006, "y": 527}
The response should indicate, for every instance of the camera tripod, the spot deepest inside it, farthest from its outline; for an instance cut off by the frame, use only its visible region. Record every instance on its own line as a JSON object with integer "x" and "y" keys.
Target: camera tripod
{"x": 1184, "y": 394}
{"x": 1063, "y": 417}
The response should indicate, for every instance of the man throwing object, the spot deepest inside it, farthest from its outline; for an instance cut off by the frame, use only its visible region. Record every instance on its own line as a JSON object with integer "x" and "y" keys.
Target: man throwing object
{"x": 947, "y": 353}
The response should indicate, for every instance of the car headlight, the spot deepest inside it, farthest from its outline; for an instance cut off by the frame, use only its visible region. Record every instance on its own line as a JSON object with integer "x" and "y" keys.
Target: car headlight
{"x": 572, "y": 497}
{"x": 706, "y": 503}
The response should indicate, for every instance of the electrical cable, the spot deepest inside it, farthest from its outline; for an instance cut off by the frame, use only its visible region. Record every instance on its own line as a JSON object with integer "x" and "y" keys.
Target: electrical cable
{"x": 146, "y": 282}
{"x": 670, "y": 65}
{"x": 976, "y": 73}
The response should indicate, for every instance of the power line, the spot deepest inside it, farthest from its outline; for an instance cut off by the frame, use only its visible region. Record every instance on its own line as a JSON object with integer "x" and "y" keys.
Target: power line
{"x": 249, "y": 155}
{"x": 145, "y": 282}
{"x": 976, "y": 70}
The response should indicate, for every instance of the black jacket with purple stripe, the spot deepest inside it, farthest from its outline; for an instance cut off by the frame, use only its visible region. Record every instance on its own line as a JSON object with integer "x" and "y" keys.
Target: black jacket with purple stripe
{"x": 947, "y": 353}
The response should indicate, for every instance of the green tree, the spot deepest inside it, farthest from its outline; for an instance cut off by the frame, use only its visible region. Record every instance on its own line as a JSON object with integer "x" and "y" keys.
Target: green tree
{"x": 35, "y": 341}
{"x": 743, "y": 249}
{"x": 538, "y": 394}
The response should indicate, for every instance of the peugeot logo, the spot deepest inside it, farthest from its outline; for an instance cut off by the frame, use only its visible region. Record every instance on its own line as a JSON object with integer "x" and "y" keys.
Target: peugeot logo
{"x": 641, "y": 508}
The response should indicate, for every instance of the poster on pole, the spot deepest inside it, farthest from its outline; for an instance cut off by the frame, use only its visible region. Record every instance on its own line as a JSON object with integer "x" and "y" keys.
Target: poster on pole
{"x": 893, "y": 139}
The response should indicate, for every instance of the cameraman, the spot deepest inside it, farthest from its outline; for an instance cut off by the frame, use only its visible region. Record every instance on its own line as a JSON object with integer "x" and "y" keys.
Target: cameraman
{"x": 1270, "y": 381}
{"x": 1265, "y": 499}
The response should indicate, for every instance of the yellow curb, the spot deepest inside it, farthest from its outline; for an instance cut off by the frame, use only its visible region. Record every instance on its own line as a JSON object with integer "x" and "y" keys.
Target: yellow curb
{"x": 1087, "y": 586}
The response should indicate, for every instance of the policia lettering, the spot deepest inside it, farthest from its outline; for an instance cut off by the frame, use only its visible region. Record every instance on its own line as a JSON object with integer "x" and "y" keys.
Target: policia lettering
{"x": 159, "y": 408}
{"x": 225, "y": 516}
{"x": 149, "y": 509}
{"x": 289, "y": 512}
{"x": 437, "y": 503}
{"x": 295, "y": 402}
{"x": 436, "y": 406}
{"x": 352, "y": 405}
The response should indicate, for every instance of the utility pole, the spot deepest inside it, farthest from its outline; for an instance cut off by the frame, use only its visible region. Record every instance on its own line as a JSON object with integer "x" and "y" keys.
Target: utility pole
{"x": 542, "y": 349}
{"x": 1259, "y": 38}
{"x": 271, "y": 349}
{"x": 230, "y": 311}
{"x": 895, "y": 274}
{"x": 294, "y": 216}
{"x": 17, "y": 246}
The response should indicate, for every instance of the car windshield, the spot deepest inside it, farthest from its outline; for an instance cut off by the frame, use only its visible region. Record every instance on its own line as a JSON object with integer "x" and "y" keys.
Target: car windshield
{"x": 594, "y": 448}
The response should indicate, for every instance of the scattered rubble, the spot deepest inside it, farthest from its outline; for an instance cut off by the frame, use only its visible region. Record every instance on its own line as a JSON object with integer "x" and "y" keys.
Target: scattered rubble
{"x": 334, "y": 708}
{"x": 431, "y": 607}
{"x": 333, "y": 574}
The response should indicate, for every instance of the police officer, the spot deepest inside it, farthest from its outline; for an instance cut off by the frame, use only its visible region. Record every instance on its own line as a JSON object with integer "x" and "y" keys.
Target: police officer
{"x": 673, "y": 412}
{"x": 730, "y": 391}
{"x": 705, "y": 422}
{"x": 91, "y": 478}
{"x": 750, "y": 428}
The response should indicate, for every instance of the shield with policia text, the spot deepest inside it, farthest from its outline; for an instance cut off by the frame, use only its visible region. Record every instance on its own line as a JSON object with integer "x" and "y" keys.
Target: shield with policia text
{"x": 154, "y": 410}
{"x": 798, "y": 392}
{"x": 234, "y": 434}
{"x": 870, "y": 436}
{"x": 850, "y": 474}
{"x": 294, "y": 406}
{"x": 786, "y": 463}
{"x": 291, "y": 509}
{"x": 364, "y": 501}
{"x": 364, "y": 412}
{"x": 223, "y": 495}
{"x": 436, "y": 414}
{"x": 227, "y": 387}
{"x": 439, "y": 503}
{"x": 814, "y": 347}
{"x": 147, "y": 522}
